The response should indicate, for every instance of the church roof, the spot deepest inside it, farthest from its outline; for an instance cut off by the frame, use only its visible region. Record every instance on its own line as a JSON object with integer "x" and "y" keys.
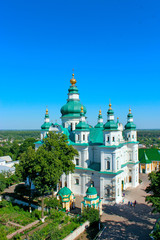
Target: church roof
{"x": 91, "y": 191}
{"x": 149, "y": 155}
{"x": 82, "y": 126}
{"x": 64, "y": 191}
{"x": 130, "y": 126}
{"x": 46, "y": 125}
{"x": 72, "y": 109}
{"x": 110, "y": 125}
{"x": 96, "y": 136}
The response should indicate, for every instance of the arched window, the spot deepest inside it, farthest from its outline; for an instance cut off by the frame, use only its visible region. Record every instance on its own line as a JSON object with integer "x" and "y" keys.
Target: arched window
{"x": 83, "y": 137}
{"x": 71, "y": 126}
{"x": 77, "y": 181}
{"x": 77, "y": 161}
{"x": 108, "y": 192}
{"x": 78, "y": 137}
{"x": 107, "y": 139}
{"x": 113, "y": 139}
{"x": 108, "y": 165}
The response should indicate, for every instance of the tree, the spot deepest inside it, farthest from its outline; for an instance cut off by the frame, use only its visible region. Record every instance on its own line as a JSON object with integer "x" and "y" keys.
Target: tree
{"x": 53, "y": 159}
{"x": 2, "y": 182}
{"x": 154, "y": 199}
{"x": 14, "y": 149}
{"x": 154, "y": 190}
{"x": 29, "y": 142}
{"x": 91, "y": 214}
{"x": 26, "y": 169}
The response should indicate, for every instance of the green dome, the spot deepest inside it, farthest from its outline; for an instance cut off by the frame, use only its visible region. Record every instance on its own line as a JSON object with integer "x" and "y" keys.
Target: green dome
{"x": 130, "y": 126}
{"x": 64, "y": 191}
{"x": 46, "y": 125}
{"x": 99, "y": 125}
{"x": 82, "y": 126}
{"x": 110, "y": 125}
{"x": 91, "y": 191}
{"x": 72, "y": 109}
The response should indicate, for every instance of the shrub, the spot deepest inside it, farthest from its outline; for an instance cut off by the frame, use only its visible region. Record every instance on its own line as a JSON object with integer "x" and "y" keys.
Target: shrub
{"x": 36, "y": 214}
{"x": 91, "y": 214}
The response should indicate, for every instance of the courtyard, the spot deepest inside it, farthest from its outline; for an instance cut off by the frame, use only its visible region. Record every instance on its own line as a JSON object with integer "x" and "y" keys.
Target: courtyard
{"x": 125, "y": 222}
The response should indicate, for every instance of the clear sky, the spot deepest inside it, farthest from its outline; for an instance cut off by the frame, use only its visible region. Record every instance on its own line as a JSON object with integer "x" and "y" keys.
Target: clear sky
{"x": 113, "y": 45}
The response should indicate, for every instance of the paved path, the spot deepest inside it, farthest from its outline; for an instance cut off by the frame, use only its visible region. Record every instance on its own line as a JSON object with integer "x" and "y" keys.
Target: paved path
{"x": 125, "y": 222}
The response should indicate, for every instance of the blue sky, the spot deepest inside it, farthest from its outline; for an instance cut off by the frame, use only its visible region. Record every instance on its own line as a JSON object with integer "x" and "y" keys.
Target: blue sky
{"x": 114, "y": 47}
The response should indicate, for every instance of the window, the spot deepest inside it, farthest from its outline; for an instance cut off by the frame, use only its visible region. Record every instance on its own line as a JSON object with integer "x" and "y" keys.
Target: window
{"x": 107, "y": 139}
{"x": 129, "y": 135}
{"x": 108, "y": 165}
{"x": 83, "y": 137}
{"x": 77, "y": 161}
{"x": 133, "y": 136}
{"x": 108, "y": 192}
{"x": 113, "y": 139}
{"x": 77, "y": 181}
{"x": 71, "y": 126}
{"x": 118, "y": 191}
{"x": 130, "y": 179}
{"x": 78, "y": 137}
{"x": 117, "y": 164}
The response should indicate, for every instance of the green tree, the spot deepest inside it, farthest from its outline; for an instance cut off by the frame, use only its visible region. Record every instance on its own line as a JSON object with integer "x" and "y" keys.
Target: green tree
{"x": 154, "y": 190}
{"x": 29, "y": 142}
{"x": 91, "y": 214}
{"x": 53, "y": 159}
{"x": 2, "y": 182}
{"x": 26, "y": 169}
{"x": 154, "y": 199}
{"x": 14, "y": 149}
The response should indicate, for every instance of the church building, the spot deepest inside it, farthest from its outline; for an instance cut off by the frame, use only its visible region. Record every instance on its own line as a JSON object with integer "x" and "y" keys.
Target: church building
{"x": 108, "y": 153}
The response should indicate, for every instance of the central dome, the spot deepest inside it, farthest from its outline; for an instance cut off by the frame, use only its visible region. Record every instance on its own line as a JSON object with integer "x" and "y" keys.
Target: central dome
{"x": 72, "y": 109}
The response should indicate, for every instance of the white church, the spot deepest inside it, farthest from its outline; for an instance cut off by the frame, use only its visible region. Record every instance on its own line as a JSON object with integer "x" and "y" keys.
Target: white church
{"x": 108, "y": 153}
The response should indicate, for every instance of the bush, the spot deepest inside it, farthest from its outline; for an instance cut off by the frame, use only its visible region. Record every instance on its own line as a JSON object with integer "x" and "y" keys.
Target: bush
{"x": 36, "y": 214}
{"x": 91, "y": 214}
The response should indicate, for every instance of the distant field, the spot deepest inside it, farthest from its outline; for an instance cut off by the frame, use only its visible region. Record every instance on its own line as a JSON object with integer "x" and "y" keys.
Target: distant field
{"x": 19, "y": 134}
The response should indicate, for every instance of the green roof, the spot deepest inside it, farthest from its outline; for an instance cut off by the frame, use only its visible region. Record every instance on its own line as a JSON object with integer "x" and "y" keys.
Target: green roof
{"x": 72, "y": 109}
{"x": 96, "y": 136}
{"x": 82, "y": 126}
{"x": 130, "y": 126}
{"x": 91, "y": 191}
{"x": 46, "y": 125}
{"x": 149, "y": 155}
{"x": 110, "y": 125}
{"x": 99, "y": 125}
{"x": 91, "y": 199}
{"x": 64, "y": 191}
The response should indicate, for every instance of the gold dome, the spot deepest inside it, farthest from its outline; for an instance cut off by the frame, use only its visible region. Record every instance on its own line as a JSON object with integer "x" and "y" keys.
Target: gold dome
{"x": 73, "y": 80}
{"x": 100, "y": 113}
{"x": 46, "y": 111}
{"x": 110, "y": 106}
{"x": 129, "y": 110}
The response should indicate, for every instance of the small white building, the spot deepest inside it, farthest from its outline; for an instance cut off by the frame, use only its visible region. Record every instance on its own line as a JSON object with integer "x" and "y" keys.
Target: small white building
{"x": 6, "y": 164}
{"x": 108, "y": 153}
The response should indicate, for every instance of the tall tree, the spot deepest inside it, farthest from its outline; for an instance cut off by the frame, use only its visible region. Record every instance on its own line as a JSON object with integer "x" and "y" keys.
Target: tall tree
{"x": 154, "y": 199}
{"x": 53, "y": 159}
{"x": 154, "y": 190}
{"x": 26, "y": 168}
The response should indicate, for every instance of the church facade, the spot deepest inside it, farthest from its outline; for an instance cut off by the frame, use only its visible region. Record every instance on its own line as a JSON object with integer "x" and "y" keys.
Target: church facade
{"x": 108, "y": 153}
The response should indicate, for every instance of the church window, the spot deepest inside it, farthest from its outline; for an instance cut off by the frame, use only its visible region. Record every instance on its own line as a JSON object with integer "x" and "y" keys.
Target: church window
{"x": 133, "y": 136}
{"x": 71, "y": 126}
{"x": 113, "y": 139}
{"x": 107, "y": 139}
{"x": 77, "y": 161}
{"x": 83, "y": 137}
{"x": 77, "y": 181}
{"x": 108, "y": 192}
{"x": 130, "y": 179}
{"x": 129, "y": 135}
{"x": 117, "y": 165}
{"x": 118, "y": 191}
{"x": 108, "y": 165}
{"x": 78, "y": 137}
